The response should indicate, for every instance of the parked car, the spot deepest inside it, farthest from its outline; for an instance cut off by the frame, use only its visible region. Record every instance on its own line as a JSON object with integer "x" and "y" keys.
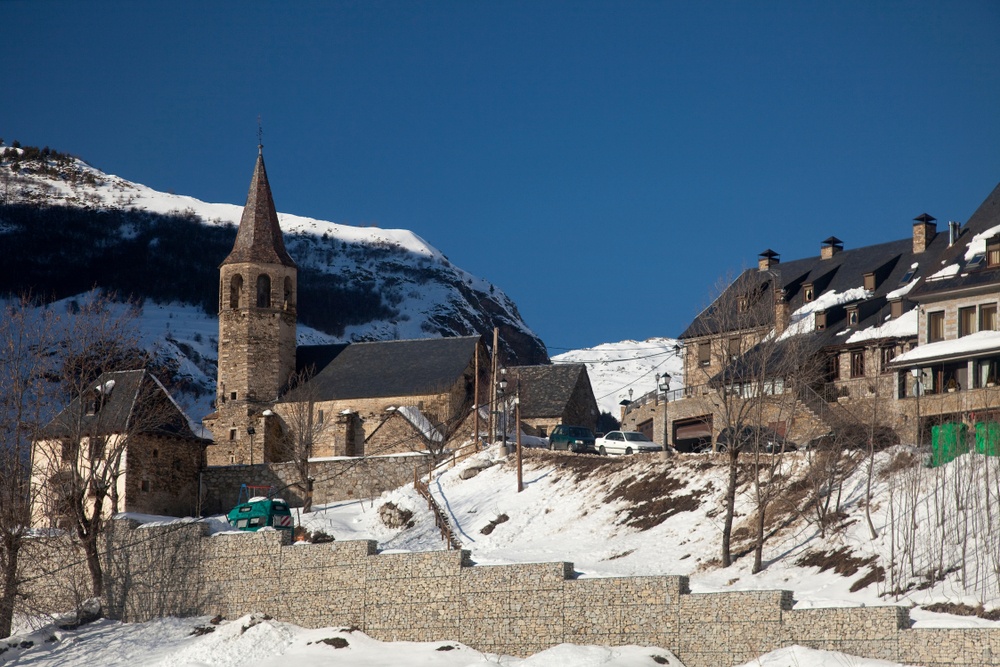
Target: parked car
{"x": 626, "y": 442}
{"x": 767, "y": 439}
{"x": 577, "y": 439}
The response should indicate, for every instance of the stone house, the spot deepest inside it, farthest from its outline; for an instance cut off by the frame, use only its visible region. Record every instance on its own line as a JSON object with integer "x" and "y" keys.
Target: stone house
{"x": 125, "y": 433}
{"x": 406, "y": 395}
{"x": 553, "y": 394}
{"x": 858, "y": 310}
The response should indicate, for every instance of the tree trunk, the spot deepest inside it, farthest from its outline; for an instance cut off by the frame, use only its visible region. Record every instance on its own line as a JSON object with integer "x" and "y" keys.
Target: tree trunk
{"x": 730, "y": 502}
{"x": 308, "y": 502}
{"x": 11, "y": 548}
{"x": 758, "y": 549}
{"x": 93, "y": 554}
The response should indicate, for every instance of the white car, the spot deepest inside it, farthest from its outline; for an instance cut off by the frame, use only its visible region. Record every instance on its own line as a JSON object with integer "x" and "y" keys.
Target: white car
{"x": 626, "y": 442}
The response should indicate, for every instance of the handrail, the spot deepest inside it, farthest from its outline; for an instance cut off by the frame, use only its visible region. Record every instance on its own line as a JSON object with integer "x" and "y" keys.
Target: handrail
{"x": 440, "y": 518}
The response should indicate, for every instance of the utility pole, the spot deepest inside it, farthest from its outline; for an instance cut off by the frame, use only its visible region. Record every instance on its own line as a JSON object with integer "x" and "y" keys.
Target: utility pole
{"x": 517, "y": 425}
{"x": 475, "y": 402}
{"x": 493, "y": 387}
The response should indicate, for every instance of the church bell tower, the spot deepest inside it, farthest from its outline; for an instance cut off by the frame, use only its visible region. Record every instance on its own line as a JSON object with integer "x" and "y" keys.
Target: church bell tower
{"x": 257, "y": 297}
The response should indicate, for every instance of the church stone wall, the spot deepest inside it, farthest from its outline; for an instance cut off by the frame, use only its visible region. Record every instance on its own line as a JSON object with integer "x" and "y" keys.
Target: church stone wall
{"x": 511, "y": 609}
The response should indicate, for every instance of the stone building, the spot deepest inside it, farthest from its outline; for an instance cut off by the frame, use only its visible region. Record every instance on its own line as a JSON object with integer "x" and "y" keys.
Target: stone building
{"x": 868, "y": 316}
{"x": 125, "y": 433}
{"x": 275, "y": 401}
{"x": 552, "y": 395}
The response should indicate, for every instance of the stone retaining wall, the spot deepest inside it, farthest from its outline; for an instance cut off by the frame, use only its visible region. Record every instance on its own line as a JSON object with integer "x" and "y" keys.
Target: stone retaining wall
{"x": 339, "y": 479}
{"x": 512, "y": 609}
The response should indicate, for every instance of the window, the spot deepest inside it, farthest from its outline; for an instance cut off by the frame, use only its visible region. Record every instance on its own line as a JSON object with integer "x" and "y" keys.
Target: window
{"x": 820, "y": 320}
{"x": 288, "y": 291}
{"x": 887, "y": 354}
{"x": 97, "y": 448}
{"x": 156, "y": 453}
{"x": 235, "y": 287}
{"x": 832, "y": 368}
{"x": 319, "y": 416}
{"x": 232, "y": 434}
{"x": 857, "y": 363}
{"x": 704, "y": 353}
{"x": 734, "y": 347}
{"x": 988, "y": 317}
{"x": 966, "y": 321}
{"x": 263, "y": 291}
{"x": 993, "y": 251}
{"x": 976, "y": 261}
{"x": 69, "y": 451}
{"x": 809, "y": 293}
{"x": 870, "y": 282}
{"x": 232, "y": 396}
{"x": 145, "y": 486}
{"x": 908, "y": 276}
{"x": 935, "y": 326}
{"x": 852, "y": 317}
{"x": 896, "y": 309}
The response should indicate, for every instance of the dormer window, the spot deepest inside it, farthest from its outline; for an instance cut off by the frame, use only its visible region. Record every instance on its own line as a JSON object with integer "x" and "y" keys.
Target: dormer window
{"x": 896, "y": 308}
{"x": 870, "y": 281}
{"x": 821, "y": 320}
{"x": 852, "y": 317}
{"x": 993, "y": 252}
{"x": 808, "y": 292}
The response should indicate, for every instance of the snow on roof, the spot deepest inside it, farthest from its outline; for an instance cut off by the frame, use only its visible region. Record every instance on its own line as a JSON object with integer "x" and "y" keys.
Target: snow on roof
{"x": 946, "y": 272}
{"x": 978, "y": 242}
{"x": 803, "y": 320}
{"x": 901, "y": 327}
{"x": 977, "y": 343}
{"x": 424, "y": 425}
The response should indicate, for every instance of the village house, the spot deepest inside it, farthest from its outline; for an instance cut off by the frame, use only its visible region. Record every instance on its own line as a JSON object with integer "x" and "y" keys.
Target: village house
{"x": 870, "y": 316}
{"x": 553, "y": 394}
{"x": 124, "y": 437}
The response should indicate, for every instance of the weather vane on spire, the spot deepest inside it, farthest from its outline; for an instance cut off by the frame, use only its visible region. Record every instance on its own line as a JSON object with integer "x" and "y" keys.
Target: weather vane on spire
{"x": 260, "y": 136}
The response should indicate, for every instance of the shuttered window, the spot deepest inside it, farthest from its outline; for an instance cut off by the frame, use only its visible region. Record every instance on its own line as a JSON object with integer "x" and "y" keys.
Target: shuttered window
{"x": 935, "y": 326}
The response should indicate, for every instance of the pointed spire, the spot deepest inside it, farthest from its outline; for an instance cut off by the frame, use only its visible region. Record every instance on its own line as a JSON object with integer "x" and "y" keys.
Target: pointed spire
{"x": 259, "y": 237}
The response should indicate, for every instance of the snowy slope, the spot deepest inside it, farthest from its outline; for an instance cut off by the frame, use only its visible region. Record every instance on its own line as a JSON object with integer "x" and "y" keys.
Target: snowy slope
{"x": 614, "y": 368}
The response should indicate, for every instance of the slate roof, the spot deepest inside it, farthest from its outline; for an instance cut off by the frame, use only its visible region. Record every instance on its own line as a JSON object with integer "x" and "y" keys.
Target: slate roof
{"x": 125, "y": 400}
{"x": 986, "y": 217}
{"x": 844, "y": 271}
{"x": 259, "y": 237}
{"x": 384, "y": 368}
{"x": 545, "y": 390}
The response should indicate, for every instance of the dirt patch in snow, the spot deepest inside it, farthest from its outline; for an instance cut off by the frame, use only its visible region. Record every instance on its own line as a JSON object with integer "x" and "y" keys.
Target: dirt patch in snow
{"x": 654, "y": 496}
{"x": 963, "y": 610}
{"x": 844, "y": 563}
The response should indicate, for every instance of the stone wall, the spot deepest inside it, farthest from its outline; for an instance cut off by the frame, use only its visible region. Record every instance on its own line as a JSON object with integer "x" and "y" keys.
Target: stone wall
{"x": 512, "y": 609}
{"x": 337, "y": 479}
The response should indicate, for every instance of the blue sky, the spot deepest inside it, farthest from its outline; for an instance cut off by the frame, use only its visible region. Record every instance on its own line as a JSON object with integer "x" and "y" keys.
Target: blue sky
{"x": 605, "y": 163}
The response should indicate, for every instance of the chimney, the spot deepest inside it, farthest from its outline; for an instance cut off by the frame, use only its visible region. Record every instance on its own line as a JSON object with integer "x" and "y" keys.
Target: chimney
{"x": 767, "y": 259}
{"x": 954, "y": 230}
{"x": 830, "y": 247}
{"x": 782, "y": 313}
{"x": 924, "y": 231}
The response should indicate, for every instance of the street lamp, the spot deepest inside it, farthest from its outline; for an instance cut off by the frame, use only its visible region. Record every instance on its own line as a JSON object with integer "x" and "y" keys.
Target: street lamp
{"x": 663, "y": 384}
{"x": 918, "y": 388}
{"x": 250, "y": 431}
{"x": 501, "y": 388}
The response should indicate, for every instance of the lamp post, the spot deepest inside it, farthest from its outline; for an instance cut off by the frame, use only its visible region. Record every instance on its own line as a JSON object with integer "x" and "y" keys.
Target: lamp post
{"x": 517, "y": 425}
{"x": 918, "y": 389}
{"x": 663, "y": 384}
{"x": 250, "y": 431}
{"x": 501, "y": 388}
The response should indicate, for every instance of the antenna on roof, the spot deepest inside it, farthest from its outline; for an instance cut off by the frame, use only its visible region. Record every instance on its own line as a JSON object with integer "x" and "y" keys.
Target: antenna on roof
{"x": 260, "y": 137}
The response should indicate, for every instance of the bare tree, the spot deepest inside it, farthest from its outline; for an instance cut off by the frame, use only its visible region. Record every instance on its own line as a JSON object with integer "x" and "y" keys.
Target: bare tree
{"x": 79, "y": 457}
{"x": 306, "y": 425}
{"x": 744, "y": 351}
{"x": 25, "y": 337}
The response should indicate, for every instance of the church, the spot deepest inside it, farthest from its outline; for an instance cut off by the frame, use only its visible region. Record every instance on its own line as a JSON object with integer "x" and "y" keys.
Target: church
{"x": 276, "y": 401}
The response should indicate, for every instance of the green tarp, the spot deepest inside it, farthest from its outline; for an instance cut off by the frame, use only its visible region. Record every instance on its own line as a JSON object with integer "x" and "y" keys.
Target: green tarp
{"x": 988, "y": 438}
{"x": 948, "y": 441}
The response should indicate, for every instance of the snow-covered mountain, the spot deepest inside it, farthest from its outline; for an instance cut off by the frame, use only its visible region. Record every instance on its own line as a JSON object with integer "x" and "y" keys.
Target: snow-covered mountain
{"x": 615, "y": 368}
{"x": 67, "y": 227}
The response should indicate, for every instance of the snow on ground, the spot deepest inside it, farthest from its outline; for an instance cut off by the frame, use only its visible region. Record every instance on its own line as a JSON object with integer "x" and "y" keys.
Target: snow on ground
{"x": 614, "y": 368}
